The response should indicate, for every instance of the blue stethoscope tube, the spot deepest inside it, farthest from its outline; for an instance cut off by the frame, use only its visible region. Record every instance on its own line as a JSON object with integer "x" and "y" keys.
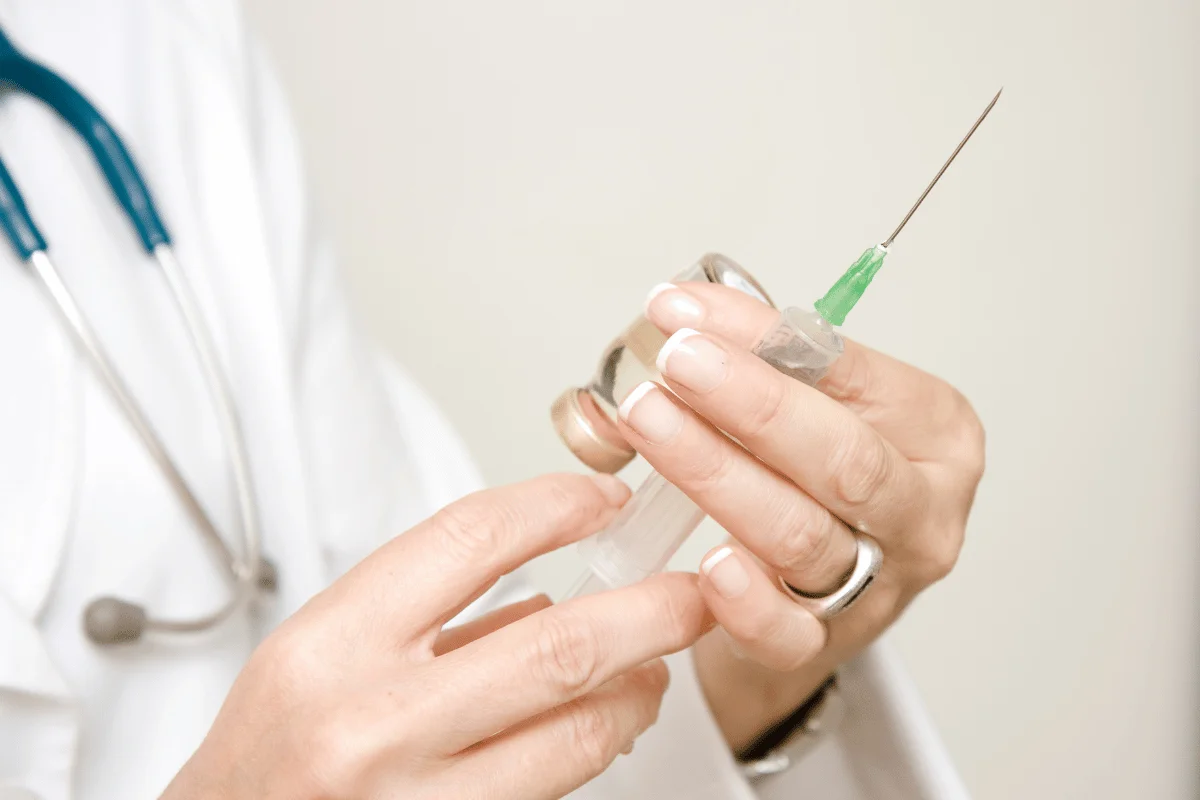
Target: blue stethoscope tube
{"x": 112, "y": 620}
{"x": 20, "y": 72}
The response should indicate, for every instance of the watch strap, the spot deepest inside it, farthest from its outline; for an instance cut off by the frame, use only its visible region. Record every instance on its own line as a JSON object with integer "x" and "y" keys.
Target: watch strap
{"x": 789, "y": 740}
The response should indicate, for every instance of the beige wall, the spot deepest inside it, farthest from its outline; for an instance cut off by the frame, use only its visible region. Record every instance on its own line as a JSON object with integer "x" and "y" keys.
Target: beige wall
{"x": 508, "y": 178}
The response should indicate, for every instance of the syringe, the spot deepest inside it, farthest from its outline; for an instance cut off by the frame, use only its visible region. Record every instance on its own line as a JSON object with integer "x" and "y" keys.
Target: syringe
{"x": 655, "y": 522}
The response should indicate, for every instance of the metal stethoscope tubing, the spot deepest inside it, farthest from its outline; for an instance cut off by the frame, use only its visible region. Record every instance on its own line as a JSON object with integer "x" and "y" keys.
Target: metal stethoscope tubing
{"x": 112, "y": 620}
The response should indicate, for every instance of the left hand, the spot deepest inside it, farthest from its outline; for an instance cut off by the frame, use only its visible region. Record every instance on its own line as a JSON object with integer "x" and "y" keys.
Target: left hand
{"x": 880, "y": 446}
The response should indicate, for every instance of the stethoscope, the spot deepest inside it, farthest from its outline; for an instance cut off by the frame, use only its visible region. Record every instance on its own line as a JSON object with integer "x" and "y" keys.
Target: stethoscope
{"x": 112, "y": 620}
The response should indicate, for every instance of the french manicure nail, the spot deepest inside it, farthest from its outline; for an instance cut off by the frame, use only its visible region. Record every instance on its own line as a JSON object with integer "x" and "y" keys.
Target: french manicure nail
{"x": 726, "y": 573}
{"x": 670, "y": 307}
{"x": 651, "y": 413}
{"x": 694, "y": 360}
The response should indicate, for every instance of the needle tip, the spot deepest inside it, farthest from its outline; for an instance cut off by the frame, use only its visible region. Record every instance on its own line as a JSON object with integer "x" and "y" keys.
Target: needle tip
{"x": 887, "y": 242}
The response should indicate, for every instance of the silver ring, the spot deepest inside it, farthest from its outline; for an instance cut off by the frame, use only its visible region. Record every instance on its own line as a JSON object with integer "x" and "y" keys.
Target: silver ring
{"x": 868, "y": 560}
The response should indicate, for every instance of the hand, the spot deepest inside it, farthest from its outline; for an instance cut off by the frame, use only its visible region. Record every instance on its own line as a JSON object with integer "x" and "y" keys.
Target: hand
{"x": 361, "y": 695}
{"x": 882, "y": 447}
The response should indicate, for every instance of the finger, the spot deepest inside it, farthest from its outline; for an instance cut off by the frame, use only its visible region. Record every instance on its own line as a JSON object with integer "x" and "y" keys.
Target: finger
{"x": 559, "y": 751}
{"x": 881, "y": 389}
{"x": 767, "y": 626}
{"x": 454, "y": 638}
{"x": 763, "y": 510}
{"x": 560, "y": 654}
{"x": 417, "y": 582}
{"x": 827, "y": 450}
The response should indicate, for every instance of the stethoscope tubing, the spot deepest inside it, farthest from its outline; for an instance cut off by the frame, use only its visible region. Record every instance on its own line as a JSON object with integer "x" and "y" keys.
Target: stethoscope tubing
{"x": 110, "y": 620}
{"x": 102, "y": 364}
{"x": 227, "y": 414}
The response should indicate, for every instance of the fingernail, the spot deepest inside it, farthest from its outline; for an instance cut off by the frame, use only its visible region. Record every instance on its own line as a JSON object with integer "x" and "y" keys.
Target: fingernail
{"x": 726, "y": 574}
{"x": 671, "y": 308}
{"x": 612, "y": 487}
{"x": 693, "y": 360}
{"x": 651, "y": 413}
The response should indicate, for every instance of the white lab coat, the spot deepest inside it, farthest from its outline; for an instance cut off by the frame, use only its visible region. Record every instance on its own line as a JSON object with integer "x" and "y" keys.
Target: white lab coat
{"x": 345, "y": 450}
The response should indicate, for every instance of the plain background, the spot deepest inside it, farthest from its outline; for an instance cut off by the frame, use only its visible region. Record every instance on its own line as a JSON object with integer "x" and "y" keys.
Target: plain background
{"x": 507, "y": 179}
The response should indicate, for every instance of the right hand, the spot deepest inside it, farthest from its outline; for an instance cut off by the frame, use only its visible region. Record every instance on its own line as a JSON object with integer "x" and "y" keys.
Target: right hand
{"x": 361, "y": 695}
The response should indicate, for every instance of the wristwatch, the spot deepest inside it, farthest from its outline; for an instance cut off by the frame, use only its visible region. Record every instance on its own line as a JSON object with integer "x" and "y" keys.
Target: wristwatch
{"x": 788, "y": 741}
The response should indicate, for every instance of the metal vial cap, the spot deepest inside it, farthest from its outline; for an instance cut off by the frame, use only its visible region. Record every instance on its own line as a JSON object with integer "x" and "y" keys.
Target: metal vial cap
{"x": 579, "y": 434}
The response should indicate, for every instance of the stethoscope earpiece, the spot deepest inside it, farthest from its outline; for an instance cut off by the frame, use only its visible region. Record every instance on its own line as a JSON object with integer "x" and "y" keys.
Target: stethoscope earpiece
{"x": 111, "y": 620}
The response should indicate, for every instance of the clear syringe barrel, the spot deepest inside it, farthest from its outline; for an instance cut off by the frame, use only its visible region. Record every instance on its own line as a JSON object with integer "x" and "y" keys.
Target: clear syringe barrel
{"x": 656, "y": 521}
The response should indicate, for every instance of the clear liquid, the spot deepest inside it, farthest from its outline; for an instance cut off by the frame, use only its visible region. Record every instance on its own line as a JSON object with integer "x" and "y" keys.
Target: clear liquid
{"x": 629, "y": 359}
{"x": 628, "y": 362}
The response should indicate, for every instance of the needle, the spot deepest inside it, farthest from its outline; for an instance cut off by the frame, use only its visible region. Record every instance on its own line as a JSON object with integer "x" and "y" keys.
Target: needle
{"x": 937, "y": 177}
{"x": 843, "y": 295}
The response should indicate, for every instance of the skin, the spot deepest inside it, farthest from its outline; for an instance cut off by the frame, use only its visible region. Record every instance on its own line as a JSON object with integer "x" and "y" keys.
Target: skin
{"x": 879, "y": 444}
{"x": 362, "y": 694}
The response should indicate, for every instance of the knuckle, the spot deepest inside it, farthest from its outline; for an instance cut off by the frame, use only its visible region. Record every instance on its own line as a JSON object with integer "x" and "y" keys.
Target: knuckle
{"x": 781, "y": 642}
{"x": 487, "y": 522}
{"x": 860, "y": 467}
{"x": 651, "y": 686}
{"x": 943, "y": 557}
{"x": 566, "y": 653}
{"x": 658, "y": 677}
{"x": 937, "y": 559}
{"x": 335, "y": 756}
{"x": 972, "y": 441}
{"x": 767, "y": 411}
{"x": 570, "y": 501}
{"x": 940, "y": 402}
{"x": 474, "y": 526}
{"x": 802, "y": 655}
{"x": 804, "y": 542}
{"x": 961, "y": 430}
{"x": 757, "y": 626}
{"x": 593, "y": 736}
{"x": 708, "y": 470}
{"x": 678, "y": 617}
{"x": 291, "y": 657}
{"x": 790, "y": 658}
{"x": 797, "y": 639}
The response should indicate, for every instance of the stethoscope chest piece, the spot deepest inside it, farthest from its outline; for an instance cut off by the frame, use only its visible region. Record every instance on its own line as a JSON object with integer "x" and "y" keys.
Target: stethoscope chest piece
{"x": 112, "y": 621}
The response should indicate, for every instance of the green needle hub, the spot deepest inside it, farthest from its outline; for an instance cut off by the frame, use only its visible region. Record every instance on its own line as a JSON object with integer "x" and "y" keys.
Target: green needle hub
{"x": 843, "y": 295}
